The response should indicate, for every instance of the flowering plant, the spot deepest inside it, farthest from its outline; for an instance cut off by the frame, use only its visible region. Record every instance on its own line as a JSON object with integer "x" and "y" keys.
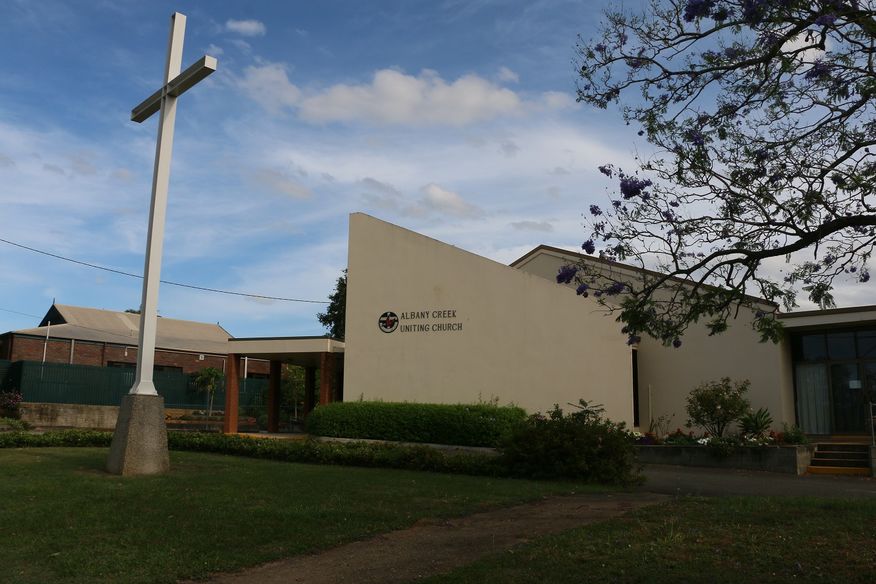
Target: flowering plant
{"x": 10, "y": 400}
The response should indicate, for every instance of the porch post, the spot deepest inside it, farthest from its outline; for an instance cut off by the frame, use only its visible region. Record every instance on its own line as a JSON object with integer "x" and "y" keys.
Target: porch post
{"x": 309, "y": 388}
{"x": 232, "y": 394}
{"x": 326, "y": 367}
{"x": 274, "y": 397}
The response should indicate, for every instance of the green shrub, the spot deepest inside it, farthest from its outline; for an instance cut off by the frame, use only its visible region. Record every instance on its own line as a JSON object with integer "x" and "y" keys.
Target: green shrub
{"x": 793, "y": 435}
{"x": 756, "y": 423}
{"x": 14, "y": 424}
{"x": 365, "y": 454}
{"x": 714, "y": 405}
{"x": 581, "y": 445}
{"x": 463, "y": 425}
{"x": 306, "y": 451}
{"x": 58, "y": 438}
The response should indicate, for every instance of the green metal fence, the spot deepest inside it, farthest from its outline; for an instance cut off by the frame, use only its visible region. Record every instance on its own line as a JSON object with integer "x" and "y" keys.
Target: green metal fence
{"x": 5, "y": 383}
{"x": 84, "y": 384}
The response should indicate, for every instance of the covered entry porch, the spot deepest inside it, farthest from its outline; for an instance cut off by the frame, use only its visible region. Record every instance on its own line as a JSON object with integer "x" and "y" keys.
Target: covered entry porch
{"x": 314, "y": 354}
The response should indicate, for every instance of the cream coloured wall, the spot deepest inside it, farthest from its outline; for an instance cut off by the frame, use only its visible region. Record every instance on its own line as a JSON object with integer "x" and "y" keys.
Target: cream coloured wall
{"x": 514, "y": 336}
{"x": 666, "y": 374}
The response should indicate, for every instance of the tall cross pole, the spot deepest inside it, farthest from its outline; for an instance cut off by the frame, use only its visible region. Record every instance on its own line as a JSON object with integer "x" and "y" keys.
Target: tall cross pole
{"x": 164, "y": 102}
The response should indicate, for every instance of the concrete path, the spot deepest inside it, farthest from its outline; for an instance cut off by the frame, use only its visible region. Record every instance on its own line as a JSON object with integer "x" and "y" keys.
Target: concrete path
{"x": 710, "y": 482}
{"x": 436, "y": 547}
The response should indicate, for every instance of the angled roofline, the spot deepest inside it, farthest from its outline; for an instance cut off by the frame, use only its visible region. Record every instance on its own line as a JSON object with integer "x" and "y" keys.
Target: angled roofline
{"x": 549, "y": 248}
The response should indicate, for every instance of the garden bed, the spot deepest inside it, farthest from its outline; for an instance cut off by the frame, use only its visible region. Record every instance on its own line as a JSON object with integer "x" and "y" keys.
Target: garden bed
{"x": 792, "y": 459}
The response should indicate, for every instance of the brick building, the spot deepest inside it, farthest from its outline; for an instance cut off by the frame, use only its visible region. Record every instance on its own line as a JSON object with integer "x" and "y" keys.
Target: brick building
{"x": 106, "y": 338}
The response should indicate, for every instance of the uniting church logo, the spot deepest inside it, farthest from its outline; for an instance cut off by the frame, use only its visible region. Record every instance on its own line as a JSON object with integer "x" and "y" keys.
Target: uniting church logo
{"x": 388, "y": 322}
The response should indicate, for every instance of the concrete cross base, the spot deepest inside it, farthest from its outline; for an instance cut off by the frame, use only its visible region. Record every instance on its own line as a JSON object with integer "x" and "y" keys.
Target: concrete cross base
{"x": 139, "y": 444}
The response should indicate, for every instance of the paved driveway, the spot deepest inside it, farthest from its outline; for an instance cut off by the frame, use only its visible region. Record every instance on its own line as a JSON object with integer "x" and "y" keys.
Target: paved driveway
{"x": 689, "y": 480}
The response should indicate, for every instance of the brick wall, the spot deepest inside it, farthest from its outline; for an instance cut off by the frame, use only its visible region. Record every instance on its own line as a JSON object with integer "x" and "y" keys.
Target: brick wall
{"x": 25, "y": 348}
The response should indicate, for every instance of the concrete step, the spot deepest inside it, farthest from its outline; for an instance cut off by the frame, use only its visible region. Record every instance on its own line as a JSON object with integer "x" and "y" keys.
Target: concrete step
{"x": 836, "y": 470}
{"x": 837, "y": 447}
{"x": 842, "y": 455}
{"x": 861, "y": 463}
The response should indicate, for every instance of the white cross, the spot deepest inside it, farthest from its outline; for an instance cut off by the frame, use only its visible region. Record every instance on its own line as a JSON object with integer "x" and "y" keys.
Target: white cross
{"x": 163, "y": 101}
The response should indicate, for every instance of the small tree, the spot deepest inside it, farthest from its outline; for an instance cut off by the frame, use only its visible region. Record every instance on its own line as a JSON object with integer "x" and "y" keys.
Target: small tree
{"x": 714, "y": 405}
{"x": 206, "y": 380}
{"x": 334, "y": 317}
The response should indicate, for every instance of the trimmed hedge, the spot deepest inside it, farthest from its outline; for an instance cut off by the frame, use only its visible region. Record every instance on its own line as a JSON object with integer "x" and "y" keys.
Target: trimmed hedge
{"x": 347, "y": 453}
{"x": 18, "y": 439}
{"x": 460, "y": 425}
{"x": 364, "y": 454}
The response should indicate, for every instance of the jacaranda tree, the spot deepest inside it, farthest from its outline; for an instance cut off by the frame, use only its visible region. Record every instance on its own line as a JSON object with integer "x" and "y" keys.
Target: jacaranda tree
{"x": 760, "y": 115}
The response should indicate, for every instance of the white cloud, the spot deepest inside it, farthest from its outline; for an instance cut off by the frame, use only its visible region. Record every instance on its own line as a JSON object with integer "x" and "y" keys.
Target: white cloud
{"x": 393, "y": 97}
{"x": 214, "y": 50}
{"x": 440, "y": 200}
{"x": 543, "y": 226}
{"x": 381, "y": 195}
{"x": 557, "y": 100}
{"x": 269, "y": 86}
{"x": 506, "y": 75}
{"x": 509, "y": 148}
{"x": 246, "y": 27}
{"x": 242, "y": 45}
{"x": 280, "y": 183}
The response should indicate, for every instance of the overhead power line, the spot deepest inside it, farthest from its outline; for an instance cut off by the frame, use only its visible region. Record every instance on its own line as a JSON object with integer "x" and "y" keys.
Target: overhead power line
{"x": 21, "y": 313}
{"x": 190, "y": 286}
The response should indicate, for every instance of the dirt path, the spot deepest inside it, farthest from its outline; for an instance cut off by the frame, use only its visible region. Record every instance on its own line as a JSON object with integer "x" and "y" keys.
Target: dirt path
{"x": 434, "y": 547}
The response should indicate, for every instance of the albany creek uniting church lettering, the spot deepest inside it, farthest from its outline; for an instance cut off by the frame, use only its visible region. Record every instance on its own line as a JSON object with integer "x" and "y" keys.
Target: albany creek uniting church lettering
{"x": 422, "y": 321}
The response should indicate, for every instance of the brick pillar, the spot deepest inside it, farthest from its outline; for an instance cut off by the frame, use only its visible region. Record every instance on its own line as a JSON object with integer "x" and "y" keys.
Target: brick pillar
{"x": 326, "y": 369}
{"x": 232, "y": 394}
{"x": 309, "y": 388}
{"x": 274, "y": 397}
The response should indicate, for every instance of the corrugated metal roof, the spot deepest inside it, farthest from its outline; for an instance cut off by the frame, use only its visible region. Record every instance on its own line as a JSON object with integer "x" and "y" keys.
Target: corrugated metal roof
{"x": 93, "y": 324}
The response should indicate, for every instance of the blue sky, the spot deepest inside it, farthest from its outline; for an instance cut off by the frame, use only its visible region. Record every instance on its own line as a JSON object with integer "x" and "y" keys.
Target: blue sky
{"x": 456, "y": 119}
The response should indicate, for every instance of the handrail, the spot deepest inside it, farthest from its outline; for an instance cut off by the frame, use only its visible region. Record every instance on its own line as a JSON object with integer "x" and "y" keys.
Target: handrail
{"x": 873, "y": 423}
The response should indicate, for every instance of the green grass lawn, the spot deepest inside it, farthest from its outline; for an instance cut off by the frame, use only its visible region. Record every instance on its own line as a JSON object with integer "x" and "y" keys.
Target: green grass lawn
{"x": 700, "y": 540}
{"x": 63, "y": 519}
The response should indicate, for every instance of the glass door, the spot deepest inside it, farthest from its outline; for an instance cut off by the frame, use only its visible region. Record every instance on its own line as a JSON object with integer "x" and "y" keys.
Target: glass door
{"x": 848, "y": 398}
{"x": 813, "y": 398}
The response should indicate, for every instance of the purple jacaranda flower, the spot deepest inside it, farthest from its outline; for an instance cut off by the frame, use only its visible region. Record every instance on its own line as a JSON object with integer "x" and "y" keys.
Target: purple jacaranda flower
{"x": 753, "y": 10}
{"x": 588, "y": 246}
{"x": 826, "y": 19}
{"x": 676, "y": 343}
{"x": 606, "y": 170}
{"x": 695, "y": 9}
{"x": 582, "y": 290}
{"x": 615, "y": 288}
{"x": 634, "y": 339}
{"x": 733, "y": 52}
{"x": 818, "y": 70}
{"x": 695, "y": 137}
{"x": 721, "y": 13}
{"x": 595, "y": 210}
{"x": 865, "y": 275}
{"x": 631, "y": 186}
{"x": 566, "y": 273}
